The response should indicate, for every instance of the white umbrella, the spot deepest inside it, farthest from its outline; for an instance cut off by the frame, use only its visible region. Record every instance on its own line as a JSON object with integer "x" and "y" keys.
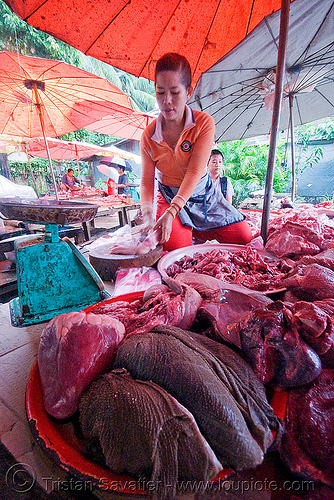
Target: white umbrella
{"x": 108, "y": 171}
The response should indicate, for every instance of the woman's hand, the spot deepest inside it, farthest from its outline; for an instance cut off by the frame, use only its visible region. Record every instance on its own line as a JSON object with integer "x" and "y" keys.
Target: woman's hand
{"x": 148, "y": 221}
{"x": 165, "y": 224}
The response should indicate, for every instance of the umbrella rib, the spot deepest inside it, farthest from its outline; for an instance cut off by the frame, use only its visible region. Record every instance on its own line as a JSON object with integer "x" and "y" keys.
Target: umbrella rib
{"x": 270, "y": 32}
{"x": 249, "y": 17}
{"x": 312, "y": 80}
{"x": 236, "y": 107}
{"x": 209, "y": 29}
{"x": 206, "y": 37}
{"x": 9, "y": 117}
{"x": 315, "y": 35}
{"x": 107, "y": 25}
{"x": 250, "y": 84}
{"x": 322, "y": 95}
{"x": 149, "y": 57}
{"x": 298, "y": 108}
{"x": 249, "y": 124}
{"x": 327, "y": 50}
{"x": 34, "y": 11}
{"x": 243, "y": 111}
{"x": 234, "y": 102}
{"x": 230, "y": 125}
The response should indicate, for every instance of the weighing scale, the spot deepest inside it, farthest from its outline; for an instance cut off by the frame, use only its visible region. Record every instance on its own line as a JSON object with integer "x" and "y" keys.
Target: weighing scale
{"x": 53, "y": 277}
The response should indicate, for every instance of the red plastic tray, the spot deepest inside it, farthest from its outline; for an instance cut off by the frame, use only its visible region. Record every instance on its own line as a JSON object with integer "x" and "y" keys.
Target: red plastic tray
{"x": 61, "y": 441}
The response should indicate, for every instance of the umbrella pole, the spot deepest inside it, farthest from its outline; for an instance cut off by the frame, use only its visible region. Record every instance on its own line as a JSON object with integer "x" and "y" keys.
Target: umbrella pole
{"x": 38, "y": 105}
{"x": 31, "y": 172}
{"x": 78, "y": 164}
{"x": 283, "y": 35}
{"x": 293, "y": 169}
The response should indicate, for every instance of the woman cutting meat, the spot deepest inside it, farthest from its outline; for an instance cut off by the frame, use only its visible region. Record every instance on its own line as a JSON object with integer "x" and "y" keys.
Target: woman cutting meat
{"x": 178, "y": 144}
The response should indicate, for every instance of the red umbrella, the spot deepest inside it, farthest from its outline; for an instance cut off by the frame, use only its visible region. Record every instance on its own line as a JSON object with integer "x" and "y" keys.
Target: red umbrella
{"x": 129, "y": 127}
{"x": 40, "y": 97}
{"x": 133, "y": 34}
{"x": 62, "y": 150}
{"x": 67, "y": 97}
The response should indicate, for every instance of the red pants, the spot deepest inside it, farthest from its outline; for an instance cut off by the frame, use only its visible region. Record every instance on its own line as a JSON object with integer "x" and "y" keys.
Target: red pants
{"x": 181, "y": 236}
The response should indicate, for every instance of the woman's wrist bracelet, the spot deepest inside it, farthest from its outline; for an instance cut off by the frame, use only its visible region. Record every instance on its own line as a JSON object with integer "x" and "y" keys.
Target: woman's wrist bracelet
{"x": 181, "y": 198}
{"x": 172, "y": 211}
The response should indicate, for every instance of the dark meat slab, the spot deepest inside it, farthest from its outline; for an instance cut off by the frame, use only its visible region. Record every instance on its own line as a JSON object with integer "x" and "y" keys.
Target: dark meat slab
{"x": 140, "y": 429}
{"x": 315, "y": 323}
{"x": 275, "y": 350}
{"x": 75, "y": 348}
{"x": 213, "y": 382}
{"x": 308, "y": 440}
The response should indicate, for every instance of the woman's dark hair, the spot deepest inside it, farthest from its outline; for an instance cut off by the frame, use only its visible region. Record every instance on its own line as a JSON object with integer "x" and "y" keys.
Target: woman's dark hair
{"x": 70, "y": 170}
{"x": 175, "y": 62}
{"x": 217, "y": 152}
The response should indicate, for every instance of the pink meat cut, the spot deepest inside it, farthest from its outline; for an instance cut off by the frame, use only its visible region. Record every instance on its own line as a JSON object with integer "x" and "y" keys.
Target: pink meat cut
{"x": 311, "y": 282}
{"x": 75, "y": 349}
{"x": 223, "y": 304}
{"x": 293, "y": 239}
{"x": 161, "y": 306}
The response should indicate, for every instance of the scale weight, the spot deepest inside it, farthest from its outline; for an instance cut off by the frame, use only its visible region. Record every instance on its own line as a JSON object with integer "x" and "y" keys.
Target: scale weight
{"x": 51, "y": 280}
{"x": 53, "y": 277}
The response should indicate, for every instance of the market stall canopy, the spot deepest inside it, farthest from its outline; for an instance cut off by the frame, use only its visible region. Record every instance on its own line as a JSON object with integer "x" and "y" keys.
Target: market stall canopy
{"x": 61, "y": 150}
{"x": 238, "y": 90}
{"x": 129, "y": 126}
{"x": 133, "y": 34}
{"x": 67, "y": 97}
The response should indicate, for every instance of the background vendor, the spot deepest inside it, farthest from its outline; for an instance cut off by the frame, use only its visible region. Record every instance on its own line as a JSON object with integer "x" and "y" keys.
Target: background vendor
{"x": 178, "y": 144}
{"x": 68, "y": 181}
{"x": 122, "y": 181}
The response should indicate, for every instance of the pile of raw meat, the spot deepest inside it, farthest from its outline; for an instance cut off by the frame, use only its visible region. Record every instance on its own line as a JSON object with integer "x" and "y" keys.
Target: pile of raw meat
{"x": 192, "y": 405}
{"x": 247, "y": 267}
{"x": 173, "y": 386}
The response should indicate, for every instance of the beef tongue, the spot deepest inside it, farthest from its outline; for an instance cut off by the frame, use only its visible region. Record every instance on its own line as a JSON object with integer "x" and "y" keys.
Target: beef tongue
{"x": 143, "y": 431}
{"x": 213, "y": 382}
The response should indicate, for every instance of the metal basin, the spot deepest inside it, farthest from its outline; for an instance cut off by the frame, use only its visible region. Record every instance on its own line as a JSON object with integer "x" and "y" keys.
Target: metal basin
{"x": 47, "y": 211}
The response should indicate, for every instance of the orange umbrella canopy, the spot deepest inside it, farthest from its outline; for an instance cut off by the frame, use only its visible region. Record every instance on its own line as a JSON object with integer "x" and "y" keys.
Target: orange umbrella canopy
{"x": 133, "y": 34}
{"x": 129, "y": 126}
{"x": 65, "y": 97}
{"x": 61, "y": 150}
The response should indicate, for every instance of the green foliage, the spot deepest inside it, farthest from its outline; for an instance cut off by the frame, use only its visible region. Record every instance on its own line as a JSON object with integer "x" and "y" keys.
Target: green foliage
{"x": 246, "y": 166}
{"x": 20, "y": 173}
{"x": 83, "y": 135}
{"x": 18, "y": 36}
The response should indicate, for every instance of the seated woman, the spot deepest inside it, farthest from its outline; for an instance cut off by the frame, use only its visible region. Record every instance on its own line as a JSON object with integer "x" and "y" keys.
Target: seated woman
{"x": 68, "y": 181}
{"x": 178, "y": 144}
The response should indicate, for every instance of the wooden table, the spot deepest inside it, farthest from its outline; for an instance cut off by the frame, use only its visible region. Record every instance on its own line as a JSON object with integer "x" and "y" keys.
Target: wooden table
{"x": 121, "y": 209}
